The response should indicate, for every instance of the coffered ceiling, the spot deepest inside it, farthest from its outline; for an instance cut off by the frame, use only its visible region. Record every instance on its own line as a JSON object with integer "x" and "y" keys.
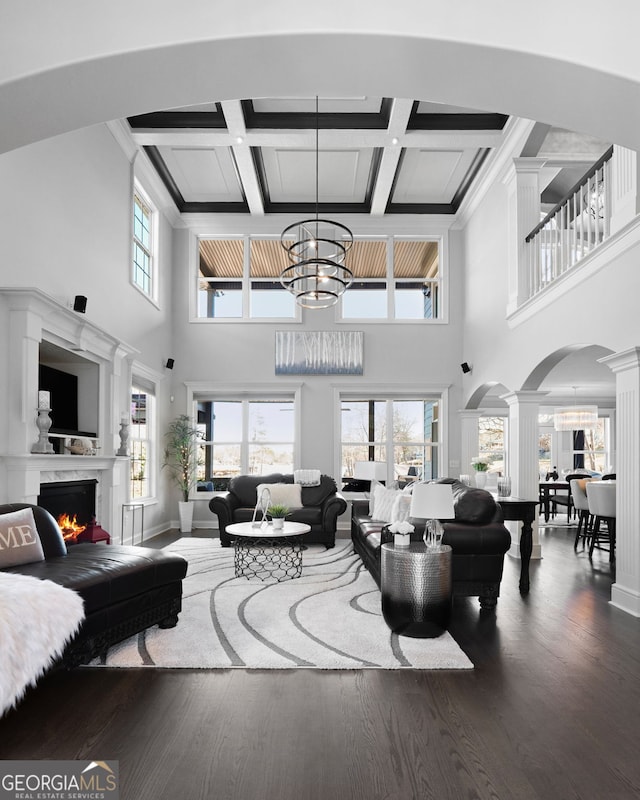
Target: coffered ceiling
{"x": 376, "y": 155}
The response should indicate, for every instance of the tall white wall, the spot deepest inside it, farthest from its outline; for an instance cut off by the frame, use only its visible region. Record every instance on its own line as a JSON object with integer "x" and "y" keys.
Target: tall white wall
{"x": 396, "y": 356}
{"x": 600, "y": 309}
{"x": 65, "y": 228}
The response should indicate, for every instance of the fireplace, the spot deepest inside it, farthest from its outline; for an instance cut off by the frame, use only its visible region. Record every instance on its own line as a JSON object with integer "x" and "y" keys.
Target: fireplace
{"x": 73, "y": 505}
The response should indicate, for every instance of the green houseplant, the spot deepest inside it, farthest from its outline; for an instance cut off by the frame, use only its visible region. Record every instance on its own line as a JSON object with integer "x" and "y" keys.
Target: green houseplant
{"x": 278, "y": 512}
{"x": 180, "y": 459}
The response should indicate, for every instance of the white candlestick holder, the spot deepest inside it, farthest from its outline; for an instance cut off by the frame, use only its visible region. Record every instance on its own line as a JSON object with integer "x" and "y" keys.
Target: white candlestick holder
{"x": 43, "y": 421}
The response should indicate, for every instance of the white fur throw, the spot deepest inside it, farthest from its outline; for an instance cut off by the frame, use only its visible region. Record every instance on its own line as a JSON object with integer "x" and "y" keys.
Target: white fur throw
{"x": 37, "y": 619}
{"x": 283, "y": 494}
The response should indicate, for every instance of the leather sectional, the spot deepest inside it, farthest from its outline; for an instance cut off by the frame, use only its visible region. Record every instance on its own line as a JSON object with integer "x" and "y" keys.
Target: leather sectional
{"x": 125, "y": 589}
{"x": 478, "y": 537}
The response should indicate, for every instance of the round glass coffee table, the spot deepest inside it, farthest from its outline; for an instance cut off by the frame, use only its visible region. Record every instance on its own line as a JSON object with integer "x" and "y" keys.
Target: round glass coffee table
{"x": 266, "y": 553}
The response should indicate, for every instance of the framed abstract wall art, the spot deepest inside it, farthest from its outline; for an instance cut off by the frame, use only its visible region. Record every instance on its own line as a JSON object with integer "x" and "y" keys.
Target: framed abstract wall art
{"x": 319, "y": 352}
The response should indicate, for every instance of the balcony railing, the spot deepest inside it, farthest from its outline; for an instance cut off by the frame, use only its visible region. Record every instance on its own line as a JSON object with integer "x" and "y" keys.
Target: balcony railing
{"x": 572, "y": 229}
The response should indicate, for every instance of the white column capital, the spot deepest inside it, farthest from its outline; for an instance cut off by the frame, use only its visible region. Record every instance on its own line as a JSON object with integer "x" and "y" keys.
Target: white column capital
{"x": 623, "y": 360}
{"x": 524, "y": 397}
{"x": 524, "y": 166}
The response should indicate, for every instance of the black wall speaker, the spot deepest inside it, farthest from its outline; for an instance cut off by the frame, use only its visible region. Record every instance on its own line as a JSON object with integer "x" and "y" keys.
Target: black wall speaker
{"x": 80, "y": 303}
{"x": 465, "y": 367}
{"x": 170, "y": 363}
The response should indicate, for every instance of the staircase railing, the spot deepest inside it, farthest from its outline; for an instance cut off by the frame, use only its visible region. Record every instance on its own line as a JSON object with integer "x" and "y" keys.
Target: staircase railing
{"x": 572, "y": 229}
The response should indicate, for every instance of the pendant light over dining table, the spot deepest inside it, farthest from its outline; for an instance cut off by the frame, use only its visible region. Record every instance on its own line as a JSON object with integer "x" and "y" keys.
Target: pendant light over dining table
{"x": 576, "y": 417}
{"x": 317, "y": 248}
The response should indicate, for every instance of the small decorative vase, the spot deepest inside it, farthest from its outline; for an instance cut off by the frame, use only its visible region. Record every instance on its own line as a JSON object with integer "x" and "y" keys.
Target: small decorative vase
{"x": 481, "y": 479}
{"x": 278, "y": 523}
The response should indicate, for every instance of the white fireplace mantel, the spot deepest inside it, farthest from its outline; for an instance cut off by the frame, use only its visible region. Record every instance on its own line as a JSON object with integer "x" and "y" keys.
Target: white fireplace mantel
{"x": 27, "y": 318}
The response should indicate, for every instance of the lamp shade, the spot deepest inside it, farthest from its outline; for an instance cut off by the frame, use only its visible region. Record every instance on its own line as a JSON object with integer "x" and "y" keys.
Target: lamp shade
{"x": 370, "y": 470}
{"x": 432, "y": 501}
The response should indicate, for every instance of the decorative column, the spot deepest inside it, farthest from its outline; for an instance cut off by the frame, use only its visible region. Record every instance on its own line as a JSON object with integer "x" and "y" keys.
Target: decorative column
{"x": 523, "y": 186}
{"x": 625, "y": 592}
{"x": 624, "y": 187}
{"x": 522, "y": 455}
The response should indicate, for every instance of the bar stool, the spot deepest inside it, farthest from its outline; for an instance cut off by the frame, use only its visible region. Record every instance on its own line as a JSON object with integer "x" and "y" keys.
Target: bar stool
{"x": 602, "y": 504}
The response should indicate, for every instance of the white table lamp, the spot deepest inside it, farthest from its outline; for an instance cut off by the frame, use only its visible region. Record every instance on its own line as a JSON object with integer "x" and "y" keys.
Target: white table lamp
{"x": 433, "y": 502}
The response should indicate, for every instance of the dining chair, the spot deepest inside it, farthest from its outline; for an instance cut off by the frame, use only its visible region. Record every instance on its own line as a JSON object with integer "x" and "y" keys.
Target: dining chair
{"x": 581, "y": 504}
{"x": 602, "y": 504}
{"x": 564, "y": 499}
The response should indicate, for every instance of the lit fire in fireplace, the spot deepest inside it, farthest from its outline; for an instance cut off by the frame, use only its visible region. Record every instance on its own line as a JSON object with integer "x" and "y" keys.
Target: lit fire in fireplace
{"x": 70, "y": 527}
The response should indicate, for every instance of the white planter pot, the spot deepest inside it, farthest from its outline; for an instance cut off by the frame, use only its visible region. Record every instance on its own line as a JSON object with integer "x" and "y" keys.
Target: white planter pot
{"x": 185, "y": 510}
{"x": 278, "y": 523}
{"x": 481, "y": 479}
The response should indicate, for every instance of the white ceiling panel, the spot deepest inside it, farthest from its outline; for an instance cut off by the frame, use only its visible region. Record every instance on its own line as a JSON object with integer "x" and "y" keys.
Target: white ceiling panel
{"x": 378, "y": 155}
{"x": 342, "y": 175}
{"x": 431, "y": 176}
{"x": 327, "y": 105}
{"x": 443, "y": 108}
{"x": 203, "y": 174}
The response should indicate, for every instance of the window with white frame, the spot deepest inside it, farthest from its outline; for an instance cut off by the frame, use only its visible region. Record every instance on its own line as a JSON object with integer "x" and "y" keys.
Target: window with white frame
{"x": 491, "y": 443}
{"x": 244, "y": 436}
{"x": 394, "y": 279}
{"x": 143, "y": 264}
{"x": 403, "y": 432}
{"x": 141, "y": 442}
{"x": 239, "y": 279}
{"x": 590, "y": 450}
{"x": 581, "y": 449}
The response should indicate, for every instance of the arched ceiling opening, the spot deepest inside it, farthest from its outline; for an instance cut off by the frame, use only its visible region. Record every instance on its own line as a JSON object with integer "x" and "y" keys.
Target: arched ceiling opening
{"x": 572, "y": 372}
{"x": 75, "y": 69}
{"x": 488, "y": 395}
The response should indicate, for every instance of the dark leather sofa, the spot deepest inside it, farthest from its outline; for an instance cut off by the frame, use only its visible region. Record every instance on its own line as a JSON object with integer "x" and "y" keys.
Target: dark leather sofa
{"x": 321, "y": 506}
{"x": 125, "y": 589}
{"x": 477, "y": 536}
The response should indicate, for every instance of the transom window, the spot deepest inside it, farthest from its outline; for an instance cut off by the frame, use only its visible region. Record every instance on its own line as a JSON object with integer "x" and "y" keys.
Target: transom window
{"x": 394, "y": 279}
{"x": 142, "y": 268}
{"x": 244, "y": 437}
{"x": 403, "y": 433}
{"x": 398, "y": 279}
{"x": 239, "y": 279}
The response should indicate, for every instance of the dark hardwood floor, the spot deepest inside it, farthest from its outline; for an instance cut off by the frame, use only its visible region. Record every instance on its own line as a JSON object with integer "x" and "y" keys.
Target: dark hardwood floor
{"x": 551, "y": 711}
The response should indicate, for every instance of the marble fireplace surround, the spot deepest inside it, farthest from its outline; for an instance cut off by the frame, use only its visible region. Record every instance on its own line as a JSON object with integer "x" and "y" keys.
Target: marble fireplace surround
{"x": 27, "y": 318}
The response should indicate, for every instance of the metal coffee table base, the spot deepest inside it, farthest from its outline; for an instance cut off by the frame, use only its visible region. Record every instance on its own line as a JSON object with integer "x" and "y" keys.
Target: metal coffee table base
{"x": 416, "y": 589}
{"x": 268, "y": 559}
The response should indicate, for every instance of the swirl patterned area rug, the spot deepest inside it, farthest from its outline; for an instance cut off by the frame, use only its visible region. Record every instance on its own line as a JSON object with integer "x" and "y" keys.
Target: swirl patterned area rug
{"x": 330, "y": 618}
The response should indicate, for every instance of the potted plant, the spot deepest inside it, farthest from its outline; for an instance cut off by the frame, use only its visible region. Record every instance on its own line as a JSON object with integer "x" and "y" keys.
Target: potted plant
{"x": 180, "y": 459}
{"x": 278, "y": 513}
{"x": 480, "y": 466}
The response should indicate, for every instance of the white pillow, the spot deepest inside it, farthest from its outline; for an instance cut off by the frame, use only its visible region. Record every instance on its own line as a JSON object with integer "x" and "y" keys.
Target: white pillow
{"x": 19, "y": 539}
{"x": 283, "y": 494}
{"x": 401, "y": 507}
{"x": 383, "y": 500}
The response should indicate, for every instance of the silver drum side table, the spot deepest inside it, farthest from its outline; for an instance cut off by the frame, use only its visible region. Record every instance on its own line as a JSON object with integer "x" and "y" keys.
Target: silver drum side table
{"x": 416, "y": 589}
